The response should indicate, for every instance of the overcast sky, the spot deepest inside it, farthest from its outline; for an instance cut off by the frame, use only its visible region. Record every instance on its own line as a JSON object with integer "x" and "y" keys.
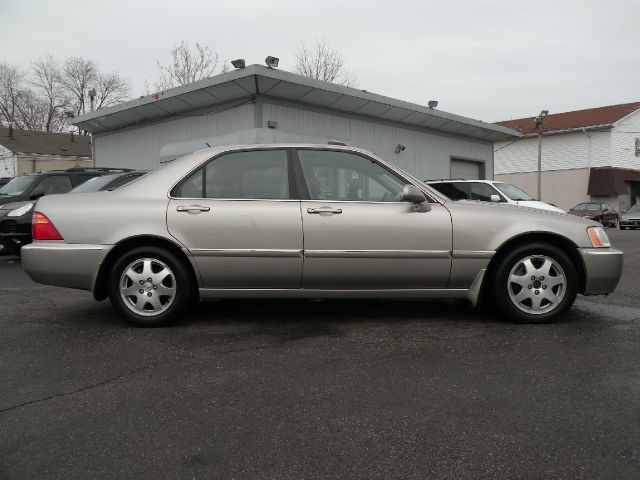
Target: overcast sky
{"x": 490, "y": 60}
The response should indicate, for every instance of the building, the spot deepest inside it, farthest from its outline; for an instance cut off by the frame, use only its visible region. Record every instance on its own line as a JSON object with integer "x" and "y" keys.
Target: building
{"x": 587, "y": 155}
{"x": 257, "y": 104}
{"x": 23, "y": 151}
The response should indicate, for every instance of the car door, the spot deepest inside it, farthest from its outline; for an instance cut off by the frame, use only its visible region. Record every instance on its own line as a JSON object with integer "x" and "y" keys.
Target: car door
{"x": 239, "y": 215}
{"x": 359, "y": 234}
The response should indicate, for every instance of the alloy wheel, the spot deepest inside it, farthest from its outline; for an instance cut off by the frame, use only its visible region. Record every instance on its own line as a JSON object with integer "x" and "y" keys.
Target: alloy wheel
{"x": 536, "y": 284}
{"x": 147, "y": 287}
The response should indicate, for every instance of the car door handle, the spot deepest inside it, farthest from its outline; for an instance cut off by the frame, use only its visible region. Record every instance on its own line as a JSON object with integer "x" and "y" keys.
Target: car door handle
{"x": 192, "y": 208}
{"x": 324, "y": 210}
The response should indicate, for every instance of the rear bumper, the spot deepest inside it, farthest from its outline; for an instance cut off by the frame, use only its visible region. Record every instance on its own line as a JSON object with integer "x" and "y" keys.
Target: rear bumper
{"x": 63, "y": 264}
{"x": 603, "y": 268}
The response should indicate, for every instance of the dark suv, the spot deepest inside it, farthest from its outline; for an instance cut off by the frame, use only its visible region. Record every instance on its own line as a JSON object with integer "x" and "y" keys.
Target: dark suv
{"x": 19, "y": 195}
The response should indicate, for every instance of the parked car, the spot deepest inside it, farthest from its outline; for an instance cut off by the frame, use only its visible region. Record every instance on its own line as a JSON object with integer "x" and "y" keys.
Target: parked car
{"x": 241, "y": 222}
{"x": 35, "y": 185}
{"x": 15, "y": 218}
{"x": 488, "y": 191}
{"x": 631, "y": 218}
{"x": 598, "y": 212}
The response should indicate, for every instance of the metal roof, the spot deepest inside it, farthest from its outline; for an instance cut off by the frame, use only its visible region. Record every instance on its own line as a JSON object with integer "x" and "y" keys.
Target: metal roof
{"x": 257, "y": 80}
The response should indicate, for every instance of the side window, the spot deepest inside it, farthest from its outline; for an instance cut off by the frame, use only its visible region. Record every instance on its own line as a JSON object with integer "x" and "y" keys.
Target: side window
{"x": 342, "y": 176}
{"x": 53, "y": 185}
{"x": 481, "y": 191}
{"x": 261, "y": 174}
{"x": 80, "y": 179}
{"x": 454, "y": 191}
{"x": 123, "y": 181}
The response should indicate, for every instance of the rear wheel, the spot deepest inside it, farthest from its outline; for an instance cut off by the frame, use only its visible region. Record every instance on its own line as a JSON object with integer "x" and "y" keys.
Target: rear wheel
{"x": 535, "y": 283}
{"x": 149, "y": 287}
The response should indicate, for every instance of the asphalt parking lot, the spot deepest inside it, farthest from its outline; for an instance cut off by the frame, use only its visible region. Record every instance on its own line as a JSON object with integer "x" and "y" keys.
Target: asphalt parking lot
{"x": 332, "y": 389}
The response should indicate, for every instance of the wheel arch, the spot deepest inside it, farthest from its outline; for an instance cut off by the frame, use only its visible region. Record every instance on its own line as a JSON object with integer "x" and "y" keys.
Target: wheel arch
{"x": 565, "y": 244}
{"x": 100, "y": 290}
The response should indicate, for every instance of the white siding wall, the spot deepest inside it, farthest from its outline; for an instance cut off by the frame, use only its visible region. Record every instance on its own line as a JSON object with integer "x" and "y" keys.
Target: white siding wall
{"x": 623, "y": 142}
{"x": 559, "y": 152}
{"x": 140, "y": 147}
{"x": 427, "y": 155}
{"x": 8, "y": 162}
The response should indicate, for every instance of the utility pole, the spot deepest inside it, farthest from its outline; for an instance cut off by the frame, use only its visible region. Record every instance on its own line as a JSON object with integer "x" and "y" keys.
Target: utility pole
{"x": 538, "y": 121}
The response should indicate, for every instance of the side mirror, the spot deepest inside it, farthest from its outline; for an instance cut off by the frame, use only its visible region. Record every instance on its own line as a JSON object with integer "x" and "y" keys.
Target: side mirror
{"x": 412, "y": 194}
{"x": 495, "y": 198}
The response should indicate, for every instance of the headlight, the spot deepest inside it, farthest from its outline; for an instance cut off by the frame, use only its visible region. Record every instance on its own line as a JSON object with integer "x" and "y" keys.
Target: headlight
{"x": 18, "y": 212}
{"x": 598, "y": 237}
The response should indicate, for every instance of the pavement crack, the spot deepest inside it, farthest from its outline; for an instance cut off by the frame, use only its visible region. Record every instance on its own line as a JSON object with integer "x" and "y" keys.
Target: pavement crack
{"x": 78, "y": 390}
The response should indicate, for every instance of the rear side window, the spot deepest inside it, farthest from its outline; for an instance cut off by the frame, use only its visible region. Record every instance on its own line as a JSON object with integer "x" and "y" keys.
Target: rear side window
{"x": 261, "y": 174}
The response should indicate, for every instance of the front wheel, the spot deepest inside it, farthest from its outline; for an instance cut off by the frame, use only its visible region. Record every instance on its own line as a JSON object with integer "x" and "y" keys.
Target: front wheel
{"x": 149, "y": 287}
{"x": 535, "y": 283}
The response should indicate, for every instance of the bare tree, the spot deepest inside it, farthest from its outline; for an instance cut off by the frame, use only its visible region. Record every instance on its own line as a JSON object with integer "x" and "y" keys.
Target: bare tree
{"x": 48, "y": 83}
{"x": 39, "y": 101}
{"x": 322, "y": 62}
{"x": 31, "y": 111}
{"x": 78, "y": 76}
{"x": 187, "y": 66}
{"x": 11, "y": 88}
{"x": 111, "y": 89}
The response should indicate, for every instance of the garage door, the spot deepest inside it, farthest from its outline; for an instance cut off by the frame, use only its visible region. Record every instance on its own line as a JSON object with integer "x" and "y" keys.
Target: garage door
{"x": 466, "y": 169}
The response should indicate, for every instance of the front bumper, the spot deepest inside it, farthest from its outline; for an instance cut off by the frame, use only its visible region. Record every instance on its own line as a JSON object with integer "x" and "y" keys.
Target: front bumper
{"x": 63, "y": 264}
{"x": 631, "y": 223}
{"x": 603, "y": 268}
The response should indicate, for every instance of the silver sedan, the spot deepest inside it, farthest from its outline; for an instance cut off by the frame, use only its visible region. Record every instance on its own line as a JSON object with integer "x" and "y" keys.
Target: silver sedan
{"x": 309, "y": 221}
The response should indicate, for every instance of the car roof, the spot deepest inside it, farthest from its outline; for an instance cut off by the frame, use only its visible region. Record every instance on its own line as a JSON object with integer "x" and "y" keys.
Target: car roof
{"x": 458, "y": 180}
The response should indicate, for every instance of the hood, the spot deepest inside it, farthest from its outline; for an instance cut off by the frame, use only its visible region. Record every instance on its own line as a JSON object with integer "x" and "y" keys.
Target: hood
{"x": 585, "y": 213}
{"x": 631, "y": 216}
{"x": 540, "y": 205}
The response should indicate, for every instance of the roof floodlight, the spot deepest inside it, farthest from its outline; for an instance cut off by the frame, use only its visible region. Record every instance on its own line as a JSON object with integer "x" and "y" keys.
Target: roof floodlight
{"x": 272, "y": 62}
{"x": 239, "y": 63}
{"x": 432, "y": 103}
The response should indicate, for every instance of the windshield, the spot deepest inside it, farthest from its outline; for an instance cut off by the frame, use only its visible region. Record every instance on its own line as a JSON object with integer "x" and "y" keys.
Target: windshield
{"x": 94, "y": 184}
{"x": 513, "y": 192}
{"x": 17, "y": 186}
{"x": 634, "y": 209}
{"x": 587, "y": 206}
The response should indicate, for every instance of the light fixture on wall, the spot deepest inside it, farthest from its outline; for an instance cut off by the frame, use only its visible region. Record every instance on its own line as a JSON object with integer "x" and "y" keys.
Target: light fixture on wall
{"x": 238, "y": 63}
{"x": 272, "y": 62}
{"x": 400, "y": 148}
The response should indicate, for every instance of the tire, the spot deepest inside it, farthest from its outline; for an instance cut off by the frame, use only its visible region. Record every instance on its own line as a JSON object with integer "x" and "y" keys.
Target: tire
{"x": 149, "y": 287}
{"x": 614, "y": 223}
{"x": 556, "y": 280}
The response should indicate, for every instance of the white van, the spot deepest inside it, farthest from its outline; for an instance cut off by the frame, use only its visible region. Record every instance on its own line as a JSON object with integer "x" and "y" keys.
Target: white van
{"x": 488, "y": 191}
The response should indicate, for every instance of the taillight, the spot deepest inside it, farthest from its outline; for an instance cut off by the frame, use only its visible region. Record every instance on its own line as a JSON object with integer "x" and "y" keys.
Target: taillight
{"x": 43, "y": 229}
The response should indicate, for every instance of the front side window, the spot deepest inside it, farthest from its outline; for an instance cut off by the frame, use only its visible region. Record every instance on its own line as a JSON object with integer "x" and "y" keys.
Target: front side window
{"x": 513, "y": 192}
{"x": 261, "y": 174}
{"x": 481, "y": 192}
{"x": 343, "y": 176}
{"x": 466, "y": 190}
{"x": 53, "y": 185}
